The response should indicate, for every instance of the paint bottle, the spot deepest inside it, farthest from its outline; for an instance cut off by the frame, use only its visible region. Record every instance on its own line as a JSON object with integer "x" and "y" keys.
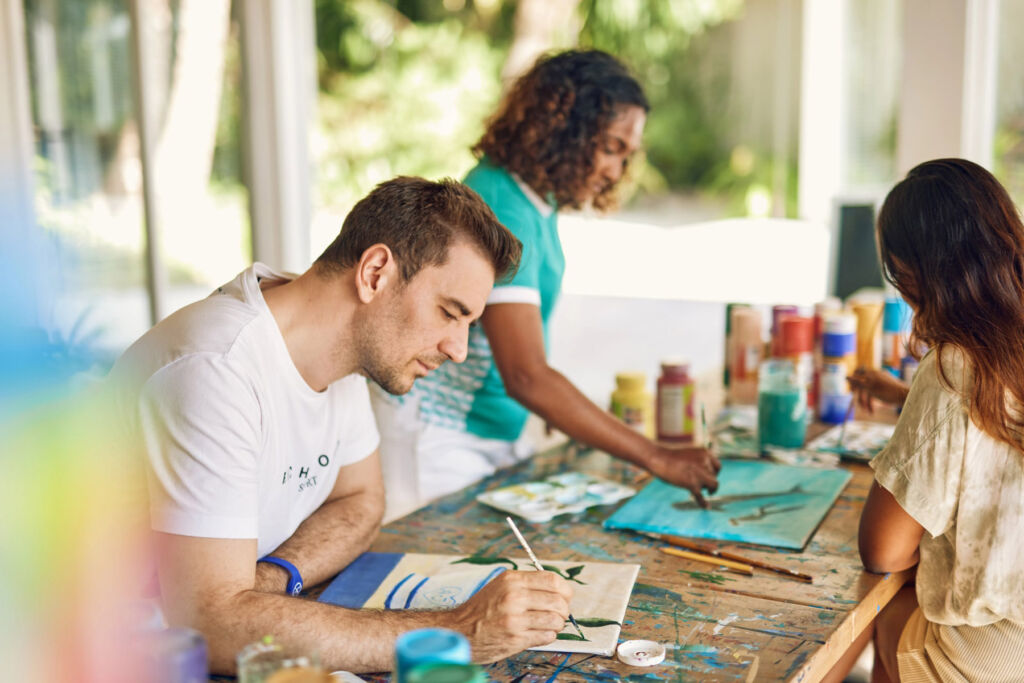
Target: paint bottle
{"x": 674, "y": 408}
{"x": 782, "y": 410}
{"x": 796, "y": 343}
{"x": 778, "y": 313}
{"x": 728, "y": 341}
{"x": 428, "y": 646}
{"x": 835, "y": 395}
{"x": 822, "y": 309}
{"x": 895, "y": 333}
{"x": 839, "y": 341}
{"x": 746, "y": 353}
{"x": 631, "y": 402}
{"x": 869, "y": 333}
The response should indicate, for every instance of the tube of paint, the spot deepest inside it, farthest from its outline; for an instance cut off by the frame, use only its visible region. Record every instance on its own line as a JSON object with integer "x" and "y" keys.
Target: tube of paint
{"x": 746, "y": 353}
{"x": 839, "y": 341}
{"x": 834, "y": 399}
{"x": 869, "y": 333}
{"x": 796, "y": 343}
{"x": 829, "y": 306}
{"x": 728, "y": 339}
{"x": 778, "y": 313}
{"x": 895, "y": 333}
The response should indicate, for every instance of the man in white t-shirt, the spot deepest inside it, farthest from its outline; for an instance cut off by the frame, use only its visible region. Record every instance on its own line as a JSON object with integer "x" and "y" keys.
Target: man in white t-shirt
{"x": 252, "y": 412}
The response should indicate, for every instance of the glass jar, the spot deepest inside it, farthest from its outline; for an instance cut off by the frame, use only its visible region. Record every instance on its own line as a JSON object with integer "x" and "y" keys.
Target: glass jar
{"x": 782, "y": 409}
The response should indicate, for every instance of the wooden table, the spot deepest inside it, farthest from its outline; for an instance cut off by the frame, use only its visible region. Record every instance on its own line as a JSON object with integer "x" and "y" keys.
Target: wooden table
{"x": 718, "y": 626}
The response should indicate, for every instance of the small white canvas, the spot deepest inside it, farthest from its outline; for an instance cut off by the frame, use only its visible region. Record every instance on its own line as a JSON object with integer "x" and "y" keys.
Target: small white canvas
{"x": 423, "y": 581}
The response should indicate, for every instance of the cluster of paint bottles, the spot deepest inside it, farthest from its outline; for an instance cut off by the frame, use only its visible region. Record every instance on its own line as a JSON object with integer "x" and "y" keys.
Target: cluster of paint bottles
{"x": 806, "y": 362}
{"x": 669, "y": 414}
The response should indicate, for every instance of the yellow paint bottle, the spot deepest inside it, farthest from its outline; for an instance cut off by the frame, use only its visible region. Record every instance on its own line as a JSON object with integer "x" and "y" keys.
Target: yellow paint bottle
{"x": 632, "y": 403}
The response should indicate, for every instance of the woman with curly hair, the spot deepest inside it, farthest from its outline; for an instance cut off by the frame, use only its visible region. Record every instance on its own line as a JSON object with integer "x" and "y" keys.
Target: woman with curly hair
{"x": 562, "y": 138}
{"x": 952, "y": 242}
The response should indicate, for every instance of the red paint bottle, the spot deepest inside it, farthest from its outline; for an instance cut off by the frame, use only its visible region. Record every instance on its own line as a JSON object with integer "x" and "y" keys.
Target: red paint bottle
{"x": 674, "y": 410}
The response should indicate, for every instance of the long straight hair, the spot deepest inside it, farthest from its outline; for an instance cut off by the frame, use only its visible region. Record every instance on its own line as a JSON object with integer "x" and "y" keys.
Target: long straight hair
{"x": 952, "y": 242}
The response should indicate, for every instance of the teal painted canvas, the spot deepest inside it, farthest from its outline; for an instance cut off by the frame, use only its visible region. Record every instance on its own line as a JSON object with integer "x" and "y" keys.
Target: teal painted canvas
{"x": 757, "y": 502}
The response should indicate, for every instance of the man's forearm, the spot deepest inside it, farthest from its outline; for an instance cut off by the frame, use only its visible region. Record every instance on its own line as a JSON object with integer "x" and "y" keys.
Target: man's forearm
{"x": 326, "y": 542}
{"x": 358, "y": 641}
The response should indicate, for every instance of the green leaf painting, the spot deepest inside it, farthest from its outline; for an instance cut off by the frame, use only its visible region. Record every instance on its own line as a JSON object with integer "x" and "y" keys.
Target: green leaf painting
{"x": 594, "y": 622}
{"x": 569, "y": 574}
{"x": 571, "y": 636}
{"x": 486, "y": 560}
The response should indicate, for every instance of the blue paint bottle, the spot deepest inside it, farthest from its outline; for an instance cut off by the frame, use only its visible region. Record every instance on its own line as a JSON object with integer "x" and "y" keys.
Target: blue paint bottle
{"x": 781, "y": 405}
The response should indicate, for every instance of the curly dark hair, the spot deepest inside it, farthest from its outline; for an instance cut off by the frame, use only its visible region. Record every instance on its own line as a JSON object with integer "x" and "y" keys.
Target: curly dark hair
{"x": 548, "y": 127}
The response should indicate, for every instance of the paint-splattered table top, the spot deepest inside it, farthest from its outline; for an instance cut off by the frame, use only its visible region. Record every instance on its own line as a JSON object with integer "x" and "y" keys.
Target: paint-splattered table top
{"x": 717, "y": 626}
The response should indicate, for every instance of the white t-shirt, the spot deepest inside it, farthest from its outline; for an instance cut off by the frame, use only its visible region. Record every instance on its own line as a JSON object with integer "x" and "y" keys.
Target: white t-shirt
{"x": 967, "y": 490}
{"x": 237, "y": 444}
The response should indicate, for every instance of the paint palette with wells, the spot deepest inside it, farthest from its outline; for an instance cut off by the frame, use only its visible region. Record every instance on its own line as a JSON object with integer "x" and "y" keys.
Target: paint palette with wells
{"x": 540, "y": 501}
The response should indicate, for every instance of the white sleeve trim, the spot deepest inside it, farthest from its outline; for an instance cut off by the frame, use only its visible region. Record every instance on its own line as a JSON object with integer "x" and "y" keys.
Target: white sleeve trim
{"x": 170, "y": 520}
{"x": 513, "y": 294}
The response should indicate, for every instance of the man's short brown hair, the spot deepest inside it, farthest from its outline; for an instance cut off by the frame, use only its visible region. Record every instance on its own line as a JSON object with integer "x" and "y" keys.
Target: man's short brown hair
{"x": 419, "y": 220}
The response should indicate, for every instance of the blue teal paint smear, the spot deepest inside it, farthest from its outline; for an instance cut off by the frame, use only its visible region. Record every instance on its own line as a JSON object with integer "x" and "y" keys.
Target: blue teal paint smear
{"x": 757, "y": 502}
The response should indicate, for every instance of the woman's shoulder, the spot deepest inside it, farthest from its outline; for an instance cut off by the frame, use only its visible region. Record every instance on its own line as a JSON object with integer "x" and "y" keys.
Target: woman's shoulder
{"x": 947, "y": 368}
{"x": 487, "y": 176}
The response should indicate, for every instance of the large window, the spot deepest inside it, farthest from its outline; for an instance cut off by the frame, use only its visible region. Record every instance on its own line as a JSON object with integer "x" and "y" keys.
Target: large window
{"x": 1008, "y": 152}
{"x": 90, "y": 200}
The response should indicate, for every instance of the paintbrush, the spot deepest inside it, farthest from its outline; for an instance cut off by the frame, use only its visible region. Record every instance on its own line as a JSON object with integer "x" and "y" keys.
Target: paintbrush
{"x": 842, "y": 430}
{"x": 707, "y": 441}
{"x": 738, "y": 567}
{"x": 537, "y": 564}
{"x": 704, "y": 428}
{"x": 686, "y": 543}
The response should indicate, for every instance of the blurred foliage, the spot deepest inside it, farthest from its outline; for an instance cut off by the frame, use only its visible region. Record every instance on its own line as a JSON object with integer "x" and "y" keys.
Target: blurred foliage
{"x": 661, "y": 42}
{"x": 407, "y": 85}
{"x": 1008, "y": 157}
{"x": 411, "y": 99}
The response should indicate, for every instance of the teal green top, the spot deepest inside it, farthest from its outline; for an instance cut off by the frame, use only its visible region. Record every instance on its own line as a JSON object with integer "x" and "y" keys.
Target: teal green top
{"x": 470, "y": 396}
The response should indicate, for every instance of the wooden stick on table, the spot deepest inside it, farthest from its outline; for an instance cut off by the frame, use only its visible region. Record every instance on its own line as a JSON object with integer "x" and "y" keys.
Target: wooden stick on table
{"x": 686, "y": 543}
{"x": 709, "y": 559}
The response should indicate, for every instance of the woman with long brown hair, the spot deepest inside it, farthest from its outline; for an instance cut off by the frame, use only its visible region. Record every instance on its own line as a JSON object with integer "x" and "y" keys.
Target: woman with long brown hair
{"x": 562, "y": 138}
{"x": 948, "y": 495}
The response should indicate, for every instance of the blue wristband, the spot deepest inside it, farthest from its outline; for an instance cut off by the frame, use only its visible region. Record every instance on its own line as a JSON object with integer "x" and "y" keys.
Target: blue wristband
{"x": 294, "y": 578}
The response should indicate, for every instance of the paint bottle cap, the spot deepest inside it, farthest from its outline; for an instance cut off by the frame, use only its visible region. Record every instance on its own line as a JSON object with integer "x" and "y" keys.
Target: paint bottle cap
{"x": 429, "y": 645}
{"x": 796, "y": 335}
{"x": 746, "y": 323}
{"x": 640, "y": 652}
{"x": 675, "y": 365}
{"x": 630, "y": 381}
{"x": 840, "y": 323}
{"x": 779, "y": 312}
